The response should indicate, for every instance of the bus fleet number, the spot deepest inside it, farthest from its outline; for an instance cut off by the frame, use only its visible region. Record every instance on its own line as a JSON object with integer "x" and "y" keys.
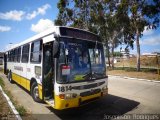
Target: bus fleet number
{"x": 65, "y": 88}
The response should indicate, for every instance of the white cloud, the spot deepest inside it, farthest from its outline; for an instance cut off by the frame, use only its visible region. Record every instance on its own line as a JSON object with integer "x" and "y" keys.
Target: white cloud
{"x": 39, "y": 11}
{"x": 32, "y": 15}
{"x": 12, "y": 15}
{"x": 5, "y": 28}
{"x": 42, "y": 25}
{"x": 16, "y": 15}
{"x": 148, "y": 32}
{"x": 42, "y": 10}
{"x": 152, "y": 40}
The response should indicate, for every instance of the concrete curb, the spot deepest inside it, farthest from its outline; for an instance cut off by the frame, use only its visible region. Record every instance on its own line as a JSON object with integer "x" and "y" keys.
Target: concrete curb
{"x": 134, "y": 78}
{"x": 11, "y": 105}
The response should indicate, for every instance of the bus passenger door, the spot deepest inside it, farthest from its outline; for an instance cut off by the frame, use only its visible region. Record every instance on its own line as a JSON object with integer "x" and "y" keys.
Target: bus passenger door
{"x": 48, "y": 66}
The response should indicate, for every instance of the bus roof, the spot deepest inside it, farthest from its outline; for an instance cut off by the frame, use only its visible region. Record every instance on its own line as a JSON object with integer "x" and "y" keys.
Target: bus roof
{"x": 54, "y": 29}
{"x": 36, "y": 37}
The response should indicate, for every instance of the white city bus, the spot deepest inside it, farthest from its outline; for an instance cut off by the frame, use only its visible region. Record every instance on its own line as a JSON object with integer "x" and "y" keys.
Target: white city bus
{"x": 63, "y": 66}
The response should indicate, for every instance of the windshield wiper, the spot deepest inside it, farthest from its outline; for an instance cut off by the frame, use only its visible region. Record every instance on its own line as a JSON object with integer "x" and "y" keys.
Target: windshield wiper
{"x": 93, "y": 75}
{"x": 88, "y": 76}
{"x": 96, "y": 73}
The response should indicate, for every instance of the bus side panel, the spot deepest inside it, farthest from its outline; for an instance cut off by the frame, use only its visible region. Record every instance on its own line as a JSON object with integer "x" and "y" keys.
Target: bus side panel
{"x": 23, "y": 82}
{"x": 23, "y": 75}
{"x": 31, "y": 73}
{"x": 16, "y": 78}
{"x": 19, "y": 74}
{"x": 16, "y": 72}
{"x": 28, "y": 85}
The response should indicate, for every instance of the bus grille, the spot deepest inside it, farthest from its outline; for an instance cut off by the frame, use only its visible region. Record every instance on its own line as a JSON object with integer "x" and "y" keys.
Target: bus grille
{"x": 91, "y": 92}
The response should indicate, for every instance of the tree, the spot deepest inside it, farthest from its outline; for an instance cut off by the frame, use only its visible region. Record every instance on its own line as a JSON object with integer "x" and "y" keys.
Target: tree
{"x": 117, "y": 54}
{"x": 103, "y": 17}
{"x": 143, "y": 13}
{"x": 116, "y": 21}
{"x": 133, "y": 16}
{"x": 87, "y": 15}
{"x": 65, "y": 13}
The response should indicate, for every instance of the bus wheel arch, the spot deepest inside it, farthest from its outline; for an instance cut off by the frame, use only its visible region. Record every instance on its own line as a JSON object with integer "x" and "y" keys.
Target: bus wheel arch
{"x": 10, "y": 76}
{"x": 34, "y": 90}
{"x": 32, "y": 81}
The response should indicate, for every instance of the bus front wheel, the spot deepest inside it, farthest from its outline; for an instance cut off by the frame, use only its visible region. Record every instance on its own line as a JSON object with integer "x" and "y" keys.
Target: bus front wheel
{"x": 34, "y": 92}
{"x": 10, "y": 77}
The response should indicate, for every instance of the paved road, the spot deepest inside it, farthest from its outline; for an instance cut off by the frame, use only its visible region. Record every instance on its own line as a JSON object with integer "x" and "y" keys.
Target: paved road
{"x": 125, "y": 97}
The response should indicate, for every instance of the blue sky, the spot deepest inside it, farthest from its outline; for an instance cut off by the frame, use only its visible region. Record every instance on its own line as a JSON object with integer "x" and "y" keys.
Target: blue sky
{"x": 21, "y": 19}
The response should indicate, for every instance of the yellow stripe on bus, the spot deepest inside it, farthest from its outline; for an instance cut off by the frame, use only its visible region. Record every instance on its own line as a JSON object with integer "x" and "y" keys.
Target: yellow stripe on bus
{"x": 21, "y": 81}
{"x": 40, "y": 91}
{"x": 16, "y": 78}
{"x": 28, "y": 85}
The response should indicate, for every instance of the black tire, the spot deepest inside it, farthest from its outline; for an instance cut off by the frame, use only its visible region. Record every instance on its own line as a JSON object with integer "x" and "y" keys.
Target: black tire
{"x": 35, "y": 93}
{"x": 10, "y": 77}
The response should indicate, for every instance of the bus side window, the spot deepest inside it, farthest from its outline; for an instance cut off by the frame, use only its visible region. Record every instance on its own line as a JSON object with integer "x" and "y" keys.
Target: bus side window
{"x": 36, "y": 48}
{"x": 15, "y": 54}
{"x": 8, "y": 57}
{"x": 19, "y": 54}
{"x": 12, "y": 55}
{"x": 25, "y": 53}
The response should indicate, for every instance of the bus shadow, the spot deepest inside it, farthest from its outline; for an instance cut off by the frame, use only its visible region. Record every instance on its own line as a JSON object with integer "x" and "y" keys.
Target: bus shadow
{"x": 109, "y": 105}
{"x": 25, "y": 90}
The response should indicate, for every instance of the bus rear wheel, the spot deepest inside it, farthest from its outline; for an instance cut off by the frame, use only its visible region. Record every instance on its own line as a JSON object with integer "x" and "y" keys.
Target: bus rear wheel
{"x": 35, "y": 93}
{"x": 10, "y": 77}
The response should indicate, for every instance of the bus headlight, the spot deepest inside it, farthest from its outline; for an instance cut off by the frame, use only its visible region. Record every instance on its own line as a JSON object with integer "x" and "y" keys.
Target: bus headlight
{"x": 68, "y": 96}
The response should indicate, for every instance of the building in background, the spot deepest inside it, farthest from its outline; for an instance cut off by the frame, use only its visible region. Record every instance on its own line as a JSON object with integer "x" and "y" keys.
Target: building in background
{"x": 125, "y": 53}
{"x": 154, "y": 54}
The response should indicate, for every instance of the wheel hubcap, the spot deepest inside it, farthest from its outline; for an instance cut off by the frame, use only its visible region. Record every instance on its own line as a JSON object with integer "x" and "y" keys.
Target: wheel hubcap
{"x": 9, "y": 76}
{"x": 35, "y": 92}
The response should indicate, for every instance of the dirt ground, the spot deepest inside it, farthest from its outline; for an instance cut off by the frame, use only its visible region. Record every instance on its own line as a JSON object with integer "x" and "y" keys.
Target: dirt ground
{"x": 146, "y": 62}
{"x": 5, "y": 110}
{"x": 142, "y": 75}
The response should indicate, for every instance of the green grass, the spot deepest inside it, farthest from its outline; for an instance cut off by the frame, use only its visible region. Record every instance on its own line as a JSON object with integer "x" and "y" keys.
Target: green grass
{"x": 22, "y": 111}
{"x": 131, "y": 69}
{"x": 2, "y": 83}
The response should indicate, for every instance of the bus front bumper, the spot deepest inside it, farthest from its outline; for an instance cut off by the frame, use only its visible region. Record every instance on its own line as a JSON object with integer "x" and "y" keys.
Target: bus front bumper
{"x": 61, "y": 104}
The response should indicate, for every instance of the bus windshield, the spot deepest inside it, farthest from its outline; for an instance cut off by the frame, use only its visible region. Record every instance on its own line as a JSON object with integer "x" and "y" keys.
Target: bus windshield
{"x": 80, "y": 60}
